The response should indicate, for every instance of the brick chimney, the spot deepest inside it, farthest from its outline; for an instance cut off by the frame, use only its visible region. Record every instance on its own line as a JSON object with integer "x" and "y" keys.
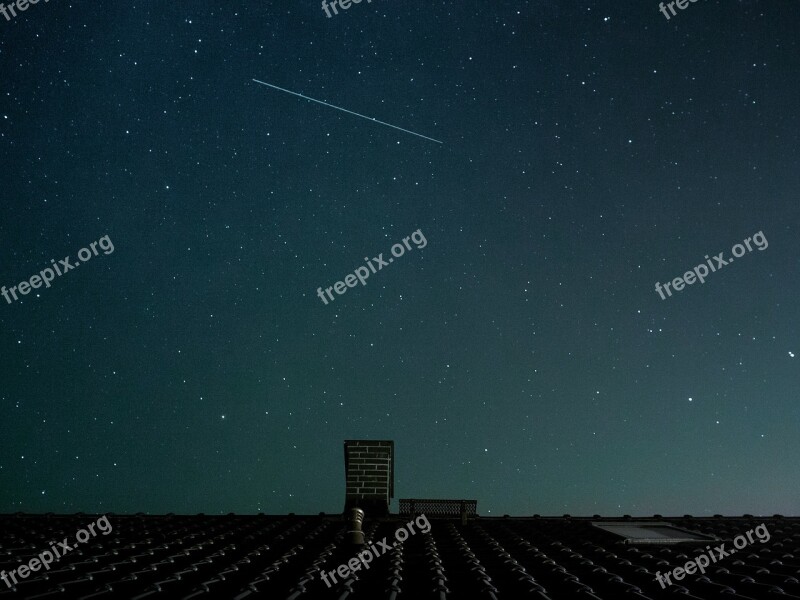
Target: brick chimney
{"x": 369, "y": 469}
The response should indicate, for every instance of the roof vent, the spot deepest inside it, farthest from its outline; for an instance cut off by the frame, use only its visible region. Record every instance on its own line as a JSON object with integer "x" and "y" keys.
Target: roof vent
{"x": 439, "y": 508}
{"x": 354, "y": 534}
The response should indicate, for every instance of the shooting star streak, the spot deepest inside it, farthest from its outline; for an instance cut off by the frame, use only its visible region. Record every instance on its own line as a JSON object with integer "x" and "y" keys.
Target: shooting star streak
{"x": 374, "y": 120}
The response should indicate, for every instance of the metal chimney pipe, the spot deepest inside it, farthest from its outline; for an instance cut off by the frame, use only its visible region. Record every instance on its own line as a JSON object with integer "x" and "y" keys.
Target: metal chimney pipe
{"x": 354, "y": 535}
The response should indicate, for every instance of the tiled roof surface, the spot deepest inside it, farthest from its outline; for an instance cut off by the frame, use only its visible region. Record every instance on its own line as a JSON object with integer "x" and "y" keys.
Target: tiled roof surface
{"x": 280, "y": 557}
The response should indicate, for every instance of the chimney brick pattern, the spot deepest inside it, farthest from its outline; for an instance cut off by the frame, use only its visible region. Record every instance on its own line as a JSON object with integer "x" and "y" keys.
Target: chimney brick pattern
{"x": 369, "y": 472}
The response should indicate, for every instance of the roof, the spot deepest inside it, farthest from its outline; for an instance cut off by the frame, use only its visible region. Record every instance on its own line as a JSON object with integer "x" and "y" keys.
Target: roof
{"x": 259, "y": 556}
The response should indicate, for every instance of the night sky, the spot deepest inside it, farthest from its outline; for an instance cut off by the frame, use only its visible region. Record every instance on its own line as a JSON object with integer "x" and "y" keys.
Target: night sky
{"x": 522, "y": 357}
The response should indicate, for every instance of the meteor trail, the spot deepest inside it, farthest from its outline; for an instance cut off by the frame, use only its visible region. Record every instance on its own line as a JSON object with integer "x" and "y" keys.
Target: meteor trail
{"x": 374, "y": 120}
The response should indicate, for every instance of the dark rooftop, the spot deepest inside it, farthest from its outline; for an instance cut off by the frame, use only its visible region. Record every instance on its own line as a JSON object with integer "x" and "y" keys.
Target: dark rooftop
{"x": 281, "y": 557}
